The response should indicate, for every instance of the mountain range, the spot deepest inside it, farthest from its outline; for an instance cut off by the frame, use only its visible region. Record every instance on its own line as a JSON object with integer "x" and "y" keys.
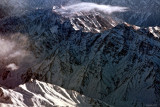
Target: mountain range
{"x": 88, "y": 59}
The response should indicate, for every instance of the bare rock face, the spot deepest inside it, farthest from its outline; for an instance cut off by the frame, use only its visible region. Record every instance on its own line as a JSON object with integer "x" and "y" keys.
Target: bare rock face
{"x": 120, "y": 66}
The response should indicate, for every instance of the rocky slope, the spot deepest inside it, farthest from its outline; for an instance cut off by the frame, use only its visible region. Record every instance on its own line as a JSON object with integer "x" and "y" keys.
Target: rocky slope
{"x": 91, "y": 22}
{"x": 119, "y": 66}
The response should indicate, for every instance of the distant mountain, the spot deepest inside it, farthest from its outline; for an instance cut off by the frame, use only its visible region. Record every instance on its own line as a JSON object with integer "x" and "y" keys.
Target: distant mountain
{"x": 119, "y": 66}
{"x": 16, "y": 7}
{"x": 141, "y": 12}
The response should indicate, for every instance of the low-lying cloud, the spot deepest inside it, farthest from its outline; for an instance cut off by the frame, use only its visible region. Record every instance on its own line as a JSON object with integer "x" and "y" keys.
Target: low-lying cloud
{"x": 13, "y": 53}
{"x": 12, "y": 66}
{"x": 6, "y": 47}
{"x": 15, "y": 58}
{"x": 87, "y": 7}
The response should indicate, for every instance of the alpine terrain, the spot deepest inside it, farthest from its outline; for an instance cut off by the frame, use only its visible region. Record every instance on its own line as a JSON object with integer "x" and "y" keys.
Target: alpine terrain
{"x": 58, "y": 56}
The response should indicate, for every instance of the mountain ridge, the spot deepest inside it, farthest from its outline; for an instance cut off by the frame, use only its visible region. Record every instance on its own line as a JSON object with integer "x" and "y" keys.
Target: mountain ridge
{"x": 109, "y": 66}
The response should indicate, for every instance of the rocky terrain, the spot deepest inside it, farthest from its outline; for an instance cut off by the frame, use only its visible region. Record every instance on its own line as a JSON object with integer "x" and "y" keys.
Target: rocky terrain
{"x": 119, "y": 66}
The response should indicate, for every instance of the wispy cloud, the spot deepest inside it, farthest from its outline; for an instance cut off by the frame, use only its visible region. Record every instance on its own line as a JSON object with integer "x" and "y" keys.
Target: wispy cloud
{"x": 13, "y": 52}
{"x": 87, "y": 7}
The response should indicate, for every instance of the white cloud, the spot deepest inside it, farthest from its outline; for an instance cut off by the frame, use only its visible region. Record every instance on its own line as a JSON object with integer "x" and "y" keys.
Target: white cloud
{"x": 87, "y": 7}
{"x": 12, "y": 66}
{"x": 6, "y": 47}
{"x": 13, "y": 52}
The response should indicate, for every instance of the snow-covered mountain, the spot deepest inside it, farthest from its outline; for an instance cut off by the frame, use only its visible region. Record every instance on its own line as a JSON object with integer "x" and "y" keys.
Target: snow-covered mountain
{"x": 40, "y": 94}
{"x": 141, "y": 12}
{"x": 119, "y": 66}
{"x": 92, "y": 22}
